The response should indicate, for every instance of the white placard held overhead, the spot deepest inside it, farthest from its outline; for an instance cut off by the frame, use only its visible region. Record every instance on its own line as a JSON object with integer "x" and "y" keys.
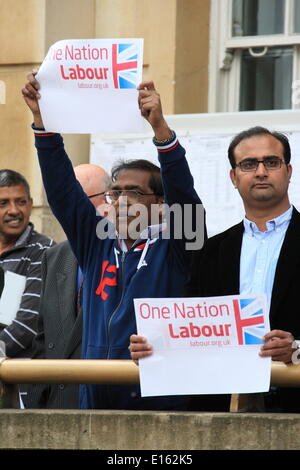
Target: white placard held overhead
{"x": 89, "y": 85}
{"x": 204, "y": 345}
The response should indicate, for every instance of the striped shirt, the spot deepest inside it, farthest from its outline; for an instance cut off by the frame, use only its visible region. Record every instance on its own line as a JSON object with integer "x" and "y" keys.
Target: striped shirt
{"x": 25, "y": 259}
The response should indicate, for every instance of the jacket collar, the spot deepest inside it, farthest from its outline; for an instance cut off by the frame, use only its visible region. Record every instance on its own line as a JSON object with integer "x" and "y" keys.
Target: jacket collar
{"x": 278, "y": 223}
{"x": 23, "y": 238}
{"x": 287, "y": 262}
{"x": 152, "y": 232}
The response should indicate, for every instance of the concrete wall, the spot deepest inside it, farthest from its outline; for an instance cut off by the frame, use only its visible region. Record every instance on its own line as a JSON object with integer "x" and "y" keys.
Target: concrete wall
{"x": 176, "y": 37}
{"x": 124, "y": 430}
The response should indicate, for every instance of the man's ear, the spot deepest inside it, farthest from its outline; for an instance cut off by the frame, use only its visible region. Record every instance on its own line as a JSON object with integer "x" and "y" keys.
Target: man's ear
{"x": 233, "y": 177}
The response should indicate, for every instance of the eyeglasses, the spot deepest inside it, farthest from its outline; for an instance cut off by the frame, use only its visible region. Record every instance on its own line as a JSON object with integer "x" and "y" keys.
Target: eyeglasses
{"x": 114, "y": 194}
{"x": 251, "y": 164}
{"x": 98, "y": 194}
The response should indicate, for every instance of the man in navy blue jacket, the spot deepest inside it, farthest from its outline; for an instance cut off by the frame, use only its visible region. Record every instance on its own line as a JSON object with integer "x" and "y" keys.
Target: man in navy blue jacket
{"x": 118, "y": 270}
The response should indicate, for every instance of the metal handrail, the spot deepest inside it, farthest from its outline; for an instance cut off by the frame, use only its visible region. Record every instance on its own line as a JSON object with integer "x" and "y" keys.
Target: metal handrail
{"x": 83, "y": 371}
{"x": 285, "y": 375}
{"x": 76, "y": 371}
{"x": 105, "y": 371}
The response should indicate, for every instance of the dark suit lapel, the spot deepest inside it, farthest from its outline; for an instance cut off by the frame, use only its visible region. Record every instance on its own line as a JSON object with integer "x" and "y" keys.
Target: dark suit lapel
{"x": 288, "y": 260}
{"x": 75, "y": 337}
{"x": 229, "y": 259}
{"x": 67, "y": 289}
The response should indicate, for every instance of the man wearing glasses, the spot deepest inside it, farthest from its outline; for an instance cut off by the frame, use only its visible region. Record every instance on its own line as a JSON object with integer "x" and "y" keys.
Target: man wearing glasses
{"x": 136, "y": 190}
{"x": 117, "y": 270}
{"x": 262, "y": 253}
{"x": 259, "y": 255}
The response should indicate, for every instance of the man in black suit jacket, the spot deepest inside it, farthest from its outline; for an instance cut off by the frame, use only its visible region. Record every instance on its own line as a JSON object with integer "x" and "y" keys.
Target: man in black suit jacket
{"x": 1, "y": 281}
{"x": 59, "y": 326}
{"x": 60, "y": 316}
{"x": 229, "y": 262}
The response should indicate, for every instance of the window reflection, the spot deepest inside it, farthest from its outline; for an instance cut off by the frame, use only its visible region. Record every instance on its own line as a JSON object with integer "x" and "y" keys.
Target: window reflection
{"x": 297, "y": 16}
{"x": 266, "y": 81}
{"x": 258, "y": 17}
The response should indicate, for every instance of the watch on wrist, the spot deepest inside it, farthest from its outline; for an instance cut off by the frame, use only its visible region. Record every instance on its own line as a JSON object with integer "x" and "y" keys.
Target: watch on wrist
{"x": 166, "y": 141}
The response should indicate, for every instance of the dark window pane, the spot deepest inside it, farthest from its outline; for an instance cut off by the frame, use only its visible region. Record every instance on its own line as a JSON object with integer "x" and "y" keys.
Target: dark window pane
{"x": 266, "y": 81}
{"x": 257, "y": 17}
{"x": 297, "y": 16}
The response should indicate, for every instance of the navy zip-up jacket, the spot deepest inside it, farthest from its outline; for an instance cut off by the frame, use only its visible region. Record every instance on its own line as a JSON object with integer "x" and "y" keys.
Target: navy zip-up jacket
{"x": 113, "y": 278}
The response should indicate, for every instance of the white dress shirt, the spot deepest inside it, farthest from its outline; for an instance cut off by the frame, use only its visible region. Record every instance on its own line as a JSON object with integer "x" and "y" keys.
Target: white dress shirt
{"x": 259, "y": 254}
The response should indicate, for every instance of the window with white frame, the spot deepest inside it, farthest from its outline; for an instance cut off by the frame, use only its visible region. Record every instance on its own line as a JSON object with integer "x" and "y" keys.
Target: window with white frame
{"x": 254, "y": 55}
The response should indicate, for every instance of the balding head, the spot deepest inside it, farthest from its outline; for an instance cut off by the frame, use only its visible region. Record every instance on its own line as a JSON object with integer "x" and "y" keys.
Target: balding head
{"x": 94, "y": 180}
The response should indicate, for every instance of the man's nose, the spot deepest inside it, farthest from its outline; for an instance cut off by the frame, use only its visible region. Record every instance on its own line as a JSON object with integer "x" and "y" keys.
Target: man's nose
{"x": 122, "y": 205}
{"x": 13, "y": 208}
{"x": 122, "y": 199}
{"x": 261, "y": 170}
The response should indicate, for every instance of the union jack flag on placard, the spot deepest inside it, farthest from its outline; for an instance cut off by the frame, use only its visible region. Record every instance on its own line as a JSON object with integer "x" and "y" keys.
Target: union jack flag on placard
{"x": 249, "y": 319}
{"x": 124, "y": 65}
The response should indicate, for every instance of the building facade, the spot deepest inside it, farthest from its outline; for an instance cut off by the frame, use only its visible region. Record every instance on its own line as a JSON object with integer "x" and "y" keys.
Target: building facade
{"x": 203, "y": 55}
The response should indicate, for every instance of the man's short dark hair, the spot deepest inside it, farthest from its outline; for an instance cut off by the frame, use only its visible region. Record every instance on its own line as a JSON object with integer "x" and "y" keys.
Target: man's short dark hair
{"x": 13, "y": 178}
{"x": 254, "y": 131}
{"x": 155, "y": 182}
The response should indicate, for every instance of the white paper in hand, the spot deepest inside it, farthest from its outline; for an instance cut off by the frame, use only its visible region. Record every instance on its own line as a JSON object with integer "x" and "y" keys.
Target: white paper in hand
{"x": 89, "y": 86}
{"x": 14, "y": 285}
{"x": 204, "y": 345}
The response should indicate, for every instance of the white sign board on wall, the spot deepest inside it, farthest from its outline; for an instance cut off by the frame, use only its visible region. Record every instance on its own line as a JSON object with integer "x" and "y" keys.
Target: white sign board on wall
{"x": 206, "y": 138}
